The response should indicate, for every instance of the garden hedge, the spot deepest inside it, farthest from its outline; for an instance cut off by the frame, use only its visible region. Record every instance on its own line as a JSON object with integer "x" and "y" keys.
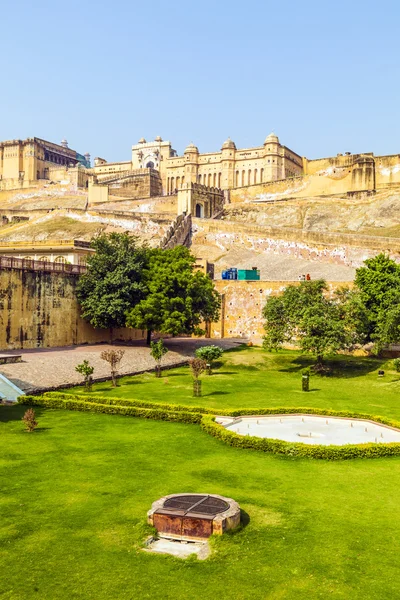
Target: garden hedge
{"x": 206, "y": 419}
{"x": 97, "y": 399}
{"x": 298, "y": 449}
{"x": 156, "y": 414}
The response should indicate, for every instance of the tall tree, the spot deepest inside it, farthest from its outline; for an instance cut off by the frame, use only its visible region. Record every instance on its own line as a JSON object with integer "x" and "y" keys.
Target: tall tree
{"x": 305, "y": 315}
{"x": 379, "y": 285}
{"x": 113, "y": 283}
{"x": 178, "y": 298}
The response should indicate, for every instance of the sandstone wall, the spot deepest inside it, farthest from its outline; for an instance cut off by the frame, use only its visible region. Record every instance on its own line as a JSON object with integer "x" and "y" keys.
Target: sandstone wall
{"x": 40, "y": 310}
{"x": 242, "y": 305}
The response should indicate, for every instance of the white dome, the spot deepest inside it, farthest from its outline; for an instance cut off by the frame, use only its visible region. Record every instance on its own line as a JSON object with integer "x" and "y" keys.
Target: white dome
{"x": 191, "y": 148}
{"x": 229, "y": 144}
{"x": 272, "y": 139}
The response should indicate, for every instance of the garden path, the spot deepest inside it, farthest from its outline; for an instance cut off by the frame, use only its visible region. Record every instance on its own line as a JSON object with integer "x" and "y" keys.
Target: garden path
{"x": 45, "y": 368}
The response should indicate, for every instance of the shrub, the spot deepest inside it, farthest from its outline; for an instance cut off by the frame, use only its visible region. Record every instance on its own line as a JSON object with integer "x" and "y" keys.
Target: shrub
{"x": 96, "y": 399}
{"x": 156, "y": 414}
{"x": 29, "y": 419}
{"x": 86, "y": 370}
{"x": 157, "y": 351}
{"x": 297, "y": 449}
{"x": 396, "y": 364}
{"x": 209, "y": 354}
{"x": 198, "y": 366}
{"x": 113, "y": 357}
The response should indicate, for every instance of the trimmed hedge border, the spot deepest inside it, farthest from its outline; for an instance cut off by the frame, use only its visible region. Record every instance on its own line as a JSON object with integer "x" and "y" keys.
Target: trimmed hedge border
{"x": 206, "y": 419}
{"x": 97, "y": 399}
{"x": 297, "y": 449}
{"x": 128, "y": 411}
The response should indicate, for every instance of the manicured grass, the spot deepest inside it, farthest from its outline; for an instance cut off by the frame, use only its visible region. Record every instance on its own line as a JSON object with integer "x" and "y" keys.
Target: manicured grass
{"x": 250, "y": 377}
{"x": 74, "y": 496}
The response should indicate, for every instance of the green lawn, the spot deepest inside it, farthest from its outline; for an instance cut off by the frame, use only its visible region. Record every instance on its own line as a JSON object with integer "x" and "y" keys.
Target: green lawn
{"x": 250, "y": 377}
{"x": 74, "y": 497}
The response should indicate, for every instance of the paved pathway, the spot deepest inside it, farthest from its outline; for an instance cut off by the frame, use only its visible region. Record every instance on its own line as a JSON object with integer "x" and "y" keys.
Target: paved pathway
{"x": 45, "y": 368}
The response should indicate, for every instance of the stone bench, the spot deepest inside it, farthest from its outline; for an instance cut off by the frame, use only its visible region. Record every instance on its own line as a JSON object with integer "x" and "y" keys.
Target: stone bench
{"x": 10, "y": 358}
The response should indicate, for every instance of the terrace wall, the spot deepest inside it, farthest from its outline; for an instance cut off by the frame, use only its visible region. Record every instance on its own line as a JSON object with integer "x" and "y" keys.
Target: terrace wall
{"x": 39, "y": 309}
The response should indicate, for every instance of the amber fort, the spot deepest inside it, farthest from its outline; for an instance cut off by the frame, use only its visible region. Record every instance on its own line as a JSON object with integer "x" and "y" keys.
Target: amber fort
{"x": 266, "y": 207}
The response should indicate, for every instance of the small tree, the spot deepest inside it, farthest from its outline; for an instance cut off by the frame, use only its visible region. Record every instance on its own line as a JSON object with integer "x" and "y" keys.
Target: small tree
{"x": 157, "y": 351}
{"x": 113, "y": 357}
{"x": 86, "y": 370}
{"x": 209, "y": 354}
{"x": 198, "y": 366}
{"x": 29, "y": 419}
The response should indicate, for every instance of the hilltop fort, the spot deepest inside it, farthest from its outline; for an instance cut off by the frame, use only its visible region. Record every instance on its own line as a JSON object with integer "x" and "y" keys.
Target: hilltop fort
{"x": 266, "y": 207}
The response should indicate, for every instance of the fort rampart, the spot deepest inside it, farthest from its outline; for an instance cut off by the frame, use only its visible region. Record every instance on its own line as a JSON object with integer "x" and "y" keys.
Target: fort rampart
{"x": 39, "y": 309}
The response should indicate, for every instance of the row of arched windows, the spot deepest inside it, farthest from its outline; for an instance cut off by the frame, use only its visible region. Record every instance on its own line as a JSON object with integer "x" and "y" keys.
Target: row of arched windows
{"x": 249, "y": 177}
{"x": 210, "y": 179}
{"x": 54, "y": 158}
{"x": 174, "y": 183}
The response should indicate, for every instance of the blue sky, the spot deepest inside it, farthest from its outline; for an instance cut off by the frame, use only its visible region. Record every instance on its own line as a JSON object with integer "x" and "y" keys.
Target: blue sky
{"x": 323, "y": 75}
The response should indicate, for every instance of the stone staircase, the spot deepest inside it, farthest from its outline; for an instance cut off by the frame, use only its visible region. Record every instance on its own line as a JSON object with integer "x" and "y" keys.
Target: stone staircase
{"x": 8, "y": 390}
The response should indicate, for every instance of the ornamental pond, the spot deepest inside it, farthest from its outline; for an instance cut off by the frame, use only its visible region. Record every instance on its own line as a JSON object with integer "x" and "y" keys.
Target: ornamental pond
{"x": 312, "y": 429}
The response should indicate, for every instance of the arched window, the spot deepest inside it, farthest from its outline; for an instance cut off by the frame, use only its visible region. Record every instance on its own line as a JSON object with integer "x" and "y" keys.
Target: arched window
{"x": 243, "y": 175}
{"x": 150, "y": 165}
{"x": 262, "y": 175}
{"x": 255, "y": 175}
{"x": 42, "y": 258}
{"x": 219, "y": 180}
{"x": 61, "y": 260}
{"x": 209, "y": 180}
{"x": 172, "y": 185}
{"x": 215, "y": 180}
{"x": 178, "y": 181}
{"x": 237, "y": 179}
{"x": 249, "y": 177}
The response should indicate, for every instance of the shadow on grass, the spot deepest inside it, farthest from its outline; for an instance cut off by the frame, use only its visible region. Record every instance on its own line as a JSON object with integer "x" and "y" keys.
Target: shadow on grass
{"x": 16, "y": 412}
{"x": 244, "y": 518}
{"x": 11, "y": 413}
{"x": 225, "y": 373}
{"x": 239, "y": 348}
{"x": 218, "y": 393}
{"x": 338, "y": 366}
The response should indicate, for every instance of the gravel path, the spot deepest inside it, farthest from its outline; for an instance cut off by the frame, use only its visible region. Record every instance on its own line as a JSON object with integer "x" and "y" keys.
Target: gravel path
{"x": 45, "y": 368}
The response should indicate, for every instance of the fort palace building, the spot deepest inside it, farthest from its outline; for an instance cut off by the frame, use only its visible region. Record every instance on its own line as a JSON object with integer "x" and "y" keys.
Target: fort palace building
{"x": 225, "y": 169}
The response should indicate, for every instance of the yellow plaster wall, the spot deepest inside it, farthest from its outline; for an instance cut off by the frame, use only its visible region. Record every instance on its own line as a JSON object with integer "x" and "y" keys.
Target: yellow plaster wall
{"x": 242, "y": 305}
{"x": 40, "y": 310}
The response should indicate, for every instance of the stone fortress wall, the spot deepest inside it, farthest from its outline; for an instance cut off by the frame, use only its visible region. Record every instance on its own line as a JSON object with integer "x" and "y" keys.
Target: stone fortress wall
{"x": 39, "y": 309}
{"x": 242, "y": 303}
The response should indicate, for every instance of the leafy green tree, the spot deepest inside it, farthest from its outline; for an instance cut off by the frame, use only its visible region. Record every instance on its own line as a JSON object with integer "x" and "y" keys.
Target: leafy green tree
{"x": 209, "y": 354}
{"x": 113, "y": 283}
{"x": 305, "y": 315}
{"x": 379, "y": 285}
{"x": 86, "y": 370}
{"x": 158, "y": 350}
{"x": 379, "y": 288}
{"x": 177, "y": 298}
{"x": 276, "y": 326}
